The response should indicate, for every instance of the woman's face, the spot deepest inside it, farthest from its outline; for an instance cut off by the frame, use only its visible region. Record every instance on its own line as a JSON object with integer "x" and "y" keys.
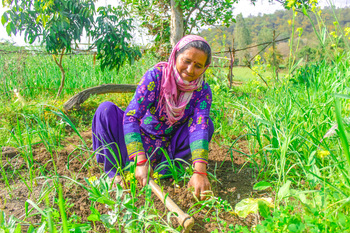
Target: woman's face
{"x": 191, "y": 64}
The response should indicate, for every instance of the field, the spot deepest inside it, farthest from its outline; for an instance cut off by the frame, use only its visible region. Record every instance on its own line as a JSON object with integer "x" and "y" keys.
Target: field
{"x": 276, "y": 165}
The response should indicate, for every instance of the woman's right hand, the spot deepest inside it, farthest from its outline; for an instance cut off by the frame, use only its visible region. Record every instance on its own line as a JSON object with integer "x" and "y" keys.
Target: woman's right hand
{"x": 141, "y": 173}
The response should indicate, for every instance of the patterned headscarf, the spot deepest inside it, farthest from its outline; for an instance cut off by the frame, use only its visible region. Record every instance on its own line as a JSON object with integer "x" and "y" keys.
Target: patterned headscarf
{"x": 169, "y": 101}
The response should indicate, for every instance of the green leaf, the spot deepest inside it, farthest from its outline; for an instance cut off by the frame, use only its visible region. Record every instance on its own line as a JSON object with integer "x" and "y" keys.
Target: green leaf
{"x": 264, "y": 209}
{"x": 37, "y": 208}
{"x": 284, "y": 190}
{"x": 8, "y": 29}
{"x": 262, "y": 185}
{"x": 251, "y": 205}
{"x": 18, "y": 229}
{"x": 4, "y": 19}
{"x": 342, "y": 96}
{"x": 105, "y": 200}
{"x": 93, "y": 217}
{"x": 341, "y": 131}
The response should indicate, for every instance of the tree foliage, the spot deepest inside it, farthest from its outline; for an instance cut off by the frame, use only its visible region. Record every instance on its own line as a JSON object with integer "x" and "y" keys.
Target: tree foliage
{"x": 59, "y": 24}
{"x": 242, "y": 37}
{"x": 155, "y": 15}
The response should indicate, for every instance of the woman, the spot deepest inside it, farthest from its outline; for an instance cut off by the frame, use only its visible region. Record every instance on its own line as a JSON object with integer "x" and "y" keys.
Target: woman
{"x": 170, "y": 109}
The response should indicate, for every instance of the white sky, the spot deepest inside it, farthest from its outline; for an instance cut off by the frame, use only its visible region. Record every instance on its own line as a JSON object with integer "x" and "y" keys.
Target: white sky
{"x": 243, "y": 6}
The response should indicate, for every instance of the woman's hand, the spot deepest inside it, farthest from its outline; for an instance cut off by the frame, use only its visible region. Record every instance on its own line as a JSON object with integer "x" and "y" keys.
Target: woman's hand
{"x": 200, "y": 182}
{"x": 201, "y": 185}
{"x": 141, "y": 173}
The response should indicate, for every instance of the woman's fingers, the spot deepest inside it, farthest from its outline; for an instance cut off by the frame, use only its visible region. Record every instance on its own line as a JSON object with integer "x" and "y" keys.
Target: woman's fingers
{"x": 141, "y": 174}
{"x": 201, "y": 186}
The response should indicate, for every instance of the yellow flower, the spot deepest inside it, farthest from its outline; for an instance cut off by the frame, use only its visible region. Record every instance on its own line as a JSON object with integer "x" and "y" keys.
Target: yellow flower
{"x": 92, "y": 179}
{"x": 334, "y": 34}
{"x": 289, "y": 22}
{"x": 291, "y": 3}
{"x": 157, "y": 177}
{"x": 322, "y": 154}
{"x": 128, "y": 177}
{"x": 347, "y": 31}
{"x": 313, "y": 8}
{"x": 300, "y": 30}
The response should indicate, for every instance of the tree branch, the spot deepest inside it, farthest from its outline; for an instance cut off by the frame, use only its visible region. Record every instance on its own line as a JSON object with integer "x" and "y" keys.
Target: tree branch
{"x": 200, "y": 10}
{"x": 190, "y": 13}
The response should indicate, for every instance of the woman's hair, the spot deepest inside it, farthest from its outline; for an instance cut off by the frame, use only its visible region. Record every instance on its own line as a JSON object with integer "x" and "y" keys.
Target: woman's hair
{"x": 201, "y": 45}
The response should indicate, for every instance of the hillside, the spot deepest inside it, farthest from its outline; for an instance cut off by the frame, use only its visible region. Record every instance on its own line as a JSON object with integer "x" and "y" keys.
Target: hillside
{"x": 261, "y": 28}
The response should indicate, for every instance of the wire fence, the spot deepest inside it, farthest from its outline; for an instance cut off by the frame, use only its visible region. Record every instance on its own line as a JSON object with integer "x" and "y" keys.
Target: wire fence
{"x": 232, "y": 52}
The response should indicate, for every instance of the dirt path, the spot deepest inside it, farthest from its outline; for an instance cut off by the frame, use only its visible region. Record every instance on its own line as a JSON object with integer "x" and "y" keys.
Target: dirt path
{"x": 233, "y": 184}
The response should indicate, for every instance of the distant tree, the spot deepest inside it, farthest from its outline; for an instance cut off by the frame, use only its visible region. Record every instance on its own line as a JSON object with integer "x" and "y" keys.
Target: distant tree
{"x": 59, "y": 24}
{"x": 242, "y": 38}
{"x": 265, "y": 35}
{"x": 308, "y": 53}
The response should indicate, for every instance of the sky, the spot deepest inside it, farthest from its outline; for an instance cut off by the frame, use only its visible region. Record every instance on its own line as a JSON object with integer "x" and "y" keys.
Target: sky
{"x": 243, "y": 6}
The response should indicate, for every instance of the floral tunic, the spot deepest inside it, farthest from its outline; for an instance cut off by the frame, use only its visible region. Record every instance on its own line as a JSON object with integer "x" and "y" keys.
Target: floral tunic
{"x": 145, "y": 128}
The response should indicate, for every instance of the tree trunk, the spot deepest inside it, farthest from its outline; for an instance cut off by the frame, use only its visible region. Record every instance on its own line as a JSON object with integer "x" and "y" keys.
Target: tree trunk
{"x": 177, "y": 23}
{"x": 63, "y": 77}
{"x": 63, "y": 73}
{"x": 79, "y": 98}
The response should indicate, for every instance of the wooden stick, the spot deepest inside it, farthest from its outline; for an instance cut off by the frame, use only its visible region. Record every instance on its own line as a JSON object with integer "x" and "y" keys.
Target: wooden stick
{"x": 183, "y": 218}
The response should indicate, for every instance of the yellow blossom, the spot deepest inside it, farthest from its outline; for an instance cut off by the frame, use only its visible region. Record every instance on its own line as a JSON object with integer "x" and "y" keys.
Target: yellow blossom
{"x": 289, "y": 22}
{"x": 92, "y": 179}
{"x": 300, "y": 30}
{"x": 313, "y": 8}
{"x": 322, "y": 154}
{"x": 157, "y": 177}
{"x": 291, "y": 3}
{"x": 128, "y": 177}
{"x": 334, "y": 34}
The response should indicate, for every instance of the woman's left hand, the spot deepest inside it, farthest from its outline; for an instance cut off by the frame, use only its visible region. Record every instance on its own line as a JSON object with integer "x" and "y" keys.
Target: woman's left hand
{"x": 201, "y": 185}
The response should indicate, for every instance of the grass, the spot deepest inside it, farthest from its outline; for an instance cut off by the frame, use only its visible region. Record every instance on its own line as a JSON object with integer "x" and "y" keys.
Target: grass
{"x": 284, "y": 126}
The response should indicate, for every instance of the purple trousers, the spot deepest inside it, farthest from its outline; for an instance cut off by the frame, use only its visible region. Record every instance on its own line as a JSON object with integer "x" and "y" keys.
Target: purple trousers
{"x": 109, "y": 145}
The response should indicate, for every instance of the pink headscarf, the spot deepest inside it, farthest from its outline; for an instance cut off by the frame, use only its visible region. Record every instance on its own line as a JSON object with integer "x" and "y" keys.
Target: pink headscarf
{"x": 169, "y": 101}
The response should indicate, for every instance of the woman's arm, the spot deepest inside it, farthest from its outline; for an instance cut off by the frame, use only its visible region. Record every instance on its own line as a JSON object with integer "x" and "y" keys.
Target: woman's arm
{"x": 199, "y": 141}
{"x": 141, "y": 102}
{"x": 144, "y": 98}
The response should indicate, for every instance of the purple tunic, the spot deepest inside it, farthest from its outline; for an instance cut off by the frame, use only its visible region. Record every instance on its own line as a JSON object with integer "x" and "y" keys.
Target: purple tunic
{"x": 117, "y": 138}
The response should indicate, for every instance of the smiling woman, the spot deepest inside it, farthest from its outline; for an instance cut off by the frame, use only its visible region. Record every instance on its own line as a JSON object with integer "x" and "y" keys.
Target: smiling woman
{"x": 170, "y": 110}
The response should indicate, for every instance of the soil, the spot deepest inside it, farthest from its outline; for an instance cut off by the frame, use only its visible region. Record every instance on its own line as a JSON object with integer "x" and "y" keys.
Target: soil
{"x": 234, "y": 183}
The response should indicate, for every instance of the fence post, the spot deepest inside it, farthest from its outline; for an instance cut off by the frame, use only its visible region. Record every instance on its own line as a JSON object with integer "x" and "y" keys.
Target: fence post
{"x": 275, "y": 66}
{"x": 232, "y": 56}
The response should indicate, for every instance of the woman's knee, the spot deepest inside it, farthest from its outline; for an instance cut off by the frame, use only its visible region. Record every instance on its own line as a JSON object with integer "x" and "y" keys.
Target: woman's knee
{"x": 106, "y": 108}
